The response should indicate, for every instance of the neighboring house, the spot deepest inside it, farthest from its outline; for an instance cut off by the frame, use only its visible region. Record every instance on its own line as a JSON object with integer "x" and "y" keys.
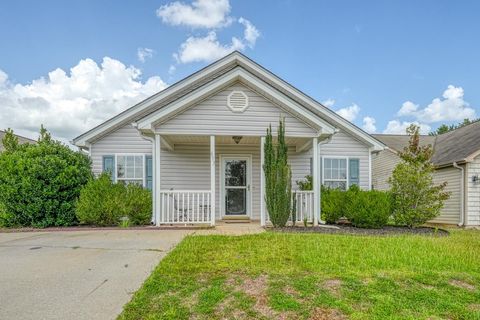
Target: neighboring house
{"x": 457, "y": 160}
{"x": 199, "y": 144}
{"x": 21, "y": 140}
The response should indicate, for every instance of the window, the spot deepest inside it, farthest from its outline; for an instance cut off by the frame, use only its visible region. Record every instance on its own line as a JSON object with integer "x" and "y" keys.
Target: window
{"x": 130, "y": 169}
{"x": 341, "y": 173}
{"x": 335, "y": 173}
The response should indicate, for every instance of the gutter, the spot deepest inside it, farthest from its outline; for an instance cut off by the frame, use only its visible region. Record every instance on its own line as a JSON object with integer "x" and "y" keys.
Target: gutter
{"x": 462, "y": 194}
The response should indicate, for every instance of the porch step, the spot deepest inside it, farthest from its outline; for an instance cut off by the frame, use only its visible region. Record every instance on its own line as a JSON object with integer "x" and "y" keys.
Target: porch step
{"x": 236, "y": 219}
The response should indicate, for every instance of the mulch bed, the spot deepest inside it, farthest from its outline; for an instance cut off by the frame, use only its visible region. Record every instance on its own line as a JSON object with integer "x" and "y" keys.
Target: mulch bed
{"x": 348, "y": 229}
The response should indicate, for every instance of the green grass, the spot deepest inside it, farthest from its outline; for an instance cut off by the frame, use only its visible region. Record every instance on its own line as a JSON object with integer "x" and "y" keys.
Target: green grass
{"x": 315, "y": 276}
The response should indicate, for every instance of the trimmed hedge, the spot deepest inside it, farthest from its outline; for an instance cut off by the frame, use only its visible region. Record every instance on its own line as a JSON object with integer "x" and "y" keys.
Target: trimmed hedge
{"x": 39, "y": 183}
{"x": 104, "y": 203}
{"x": 364, "y": 209}
{"x": 369, "y": 209}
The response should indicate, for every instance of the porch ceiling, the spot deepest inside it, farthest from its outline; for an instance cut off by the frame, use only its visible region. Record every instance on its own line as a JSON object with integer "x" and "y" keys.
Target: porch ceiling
{"x": 173, "y": 140}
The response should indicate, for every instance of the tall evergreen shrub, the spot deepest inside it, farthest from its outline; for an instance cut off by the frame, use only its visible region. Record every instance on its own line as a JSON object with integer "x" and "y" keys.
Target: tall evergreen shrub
{"x": 278, "y": 182}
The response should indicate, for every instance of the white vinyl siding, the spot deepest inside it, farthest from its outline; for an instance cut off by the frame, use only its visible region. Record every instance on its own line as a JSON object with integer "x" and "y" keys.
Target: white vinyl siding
{"x": 188, "y": 168}
{"x": 213, "y": 116}
{"x": 473, "y": 193}
{"x": 125, "y": 140}
{"x": 450, "y": 213}
{"x": 344, "y": 145}
{"x": 383, "y": 164}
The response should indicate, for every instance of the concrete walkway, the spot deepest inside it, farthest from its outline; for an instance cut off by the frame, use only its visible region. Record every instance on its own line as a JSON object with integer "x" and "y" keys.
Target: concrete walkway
{"x": 77, "y": 274}
{"x": 232, "y": 229}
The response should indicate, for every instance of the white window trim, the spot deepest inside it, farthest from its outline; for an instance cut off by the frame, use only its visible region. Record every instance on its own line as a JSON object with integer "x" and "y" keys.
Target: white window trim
{"x": 144, "y": 175}
{"x": 347, "y": 180}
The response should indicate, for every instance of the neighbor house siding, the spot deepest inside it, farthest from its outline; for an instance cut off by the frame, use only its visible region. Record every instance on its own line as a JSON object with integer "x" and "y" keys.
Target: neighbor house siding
{"x": 383, "y": 164}
{"x": 473, "y": 193}
{"x": 344, "y": 145}
{"x": 450, "y": 212}
{"x": 213, "y": 116}
{"x": 124, "y": 140}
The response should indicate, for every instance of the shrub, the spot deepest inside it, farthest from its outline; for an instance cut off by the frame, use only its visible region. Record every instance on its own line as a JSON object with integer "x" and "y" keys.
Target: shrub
{"x": 415, "y": 198}
{"x": 39, "y": 183}
{"x": 368, "y": 209}
{"x": 103, "y": 203}
{"x": 333, "y": 204}
{"x": 138, "y": 205}
{"x": 364, "y": 209}
{"x": 278, "y": 182}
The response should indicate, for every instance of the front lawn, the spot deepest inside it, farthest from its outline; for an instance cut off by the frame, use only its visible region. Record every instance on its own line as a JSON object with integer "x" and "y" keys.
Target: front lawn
{"x": 315, "y": 276}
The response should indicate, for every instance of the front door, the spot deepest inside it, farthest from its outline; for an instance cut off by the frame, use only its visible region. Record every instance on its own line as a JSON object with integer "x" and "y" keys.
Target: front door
{"x": 236, "y": 185}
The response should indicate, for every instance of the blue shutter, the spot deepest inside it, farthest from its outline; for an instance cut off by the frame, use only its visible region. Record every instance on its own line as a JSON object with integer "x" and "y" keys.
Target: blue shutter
{"x": 353, "y": 172}
{"x": 108, "y": 165}
{"x": 148, "y": 172}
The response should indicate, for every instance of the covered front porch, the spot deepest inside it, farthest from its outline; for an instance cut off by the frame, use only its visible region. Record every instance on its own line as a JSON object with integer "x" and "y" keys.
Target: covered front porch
{"x": 200, "y": 179}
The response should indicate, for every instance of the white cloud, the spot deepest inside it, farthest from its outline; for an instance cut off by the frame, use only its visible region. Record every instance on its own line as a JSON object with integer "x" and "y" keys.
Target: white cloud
{"x": 71, "y": 103}
{"x": 408, "y": 108}
{"x": 350, "y": 113}
{"x": 250, "y": 33}
{"x": 452, "y": 107}
{"x": 200, "y": 14}
{"x": 206, "y": 49}
{"x": 397, "y": 127}
{"x": 172, "y": 69}
{"x": 210, "y": 15}
{"x": 369, "y": 124}
{"x": 329, "y": 102}
{"x": 144, "y": 53}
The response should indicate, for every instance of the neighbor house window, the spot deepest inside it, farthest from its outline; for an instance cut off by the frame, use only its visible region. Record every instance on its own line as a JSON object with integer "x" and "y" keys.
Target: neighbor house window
{"x": 130, "y": 169}
{"x": 335, "y": 173}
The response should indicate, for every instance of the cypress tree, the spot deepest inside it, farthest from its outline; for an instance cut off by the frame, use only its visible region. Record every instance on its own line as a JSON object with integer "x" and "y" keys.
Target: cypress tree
{"x": 278, "y": 182}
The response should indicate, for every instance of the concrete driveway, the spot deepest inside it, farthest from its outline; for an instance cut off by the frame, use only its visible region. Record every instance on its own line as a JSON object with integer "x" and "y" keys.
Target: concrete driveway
{"x": 77, "y": 274}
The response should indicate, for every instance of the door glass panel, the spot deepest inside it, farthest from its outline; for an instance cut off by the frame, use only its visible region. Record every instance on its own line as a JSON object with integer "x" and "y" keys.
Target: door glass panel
{"x": 235, "y": 201}
{"x": 236, "y": 173}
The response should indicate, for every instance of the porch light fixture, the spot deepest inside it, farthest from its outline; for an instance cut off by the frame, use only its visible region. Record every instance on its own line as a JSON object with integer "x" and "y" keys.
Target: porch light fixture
{"x": 237, "y": 139}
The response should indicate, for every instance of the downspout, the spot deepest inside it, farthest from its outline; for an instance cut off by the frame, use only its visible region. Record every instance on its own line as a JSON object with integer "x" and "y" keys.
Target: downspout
{"x": 462, "y": 194}
{"x": 325, "y": 141}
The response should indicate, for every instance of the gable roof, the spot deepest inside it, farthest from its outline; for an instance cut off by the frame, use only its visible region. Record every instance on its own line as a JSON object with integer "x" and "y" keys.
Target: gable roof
{"x": 215, "y": 71}
{"x": 21, "y": 139}
{"x": 459, "y": 145}
{"x": 462, "y": 144}
{"x": 397, "y": 142}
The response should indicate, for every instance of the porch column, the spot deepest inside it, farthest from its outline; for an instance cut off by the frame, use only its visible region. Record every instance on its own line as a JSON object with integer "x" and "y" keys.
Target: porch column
{"x": 156, "y": 172}
{"x": 316, "y": 182}
{"x": 155, "y": 198}
{"x": 212, "y": 179}
{"x": 262, "y": 183}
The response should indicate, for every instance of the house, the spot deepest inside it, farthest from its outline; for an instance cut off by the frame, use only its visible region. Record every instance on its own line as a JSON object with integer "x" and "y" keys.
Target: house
{"x": 21, "y": 140}
{"x": 457, "y": 161}
{"x": 198, "y": 144}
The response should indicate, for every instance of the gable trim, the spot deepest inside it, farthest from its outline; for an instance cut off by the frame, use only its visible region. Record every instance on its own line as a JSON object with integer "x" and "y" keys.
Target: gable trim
{"x": 237, "y": 74}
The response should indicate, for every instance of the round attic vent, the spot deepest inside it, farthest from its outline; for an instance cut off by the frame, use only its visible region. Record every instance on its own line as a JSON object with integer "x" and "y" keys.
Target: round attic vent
{"x": 237, "y": 101}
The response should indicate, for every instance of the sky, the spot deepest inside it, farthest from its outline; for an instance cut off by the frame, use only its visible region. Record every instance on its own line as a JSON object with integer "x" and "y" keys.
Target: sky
{"x": 71, "y": 65}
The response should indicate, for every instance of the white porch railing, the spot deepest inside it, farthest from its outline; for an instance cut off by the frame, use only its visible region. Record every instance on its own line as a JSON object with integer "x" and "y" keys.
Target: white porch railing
{"x": 304, "y": 205}
{"x": 185, "y": 206}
